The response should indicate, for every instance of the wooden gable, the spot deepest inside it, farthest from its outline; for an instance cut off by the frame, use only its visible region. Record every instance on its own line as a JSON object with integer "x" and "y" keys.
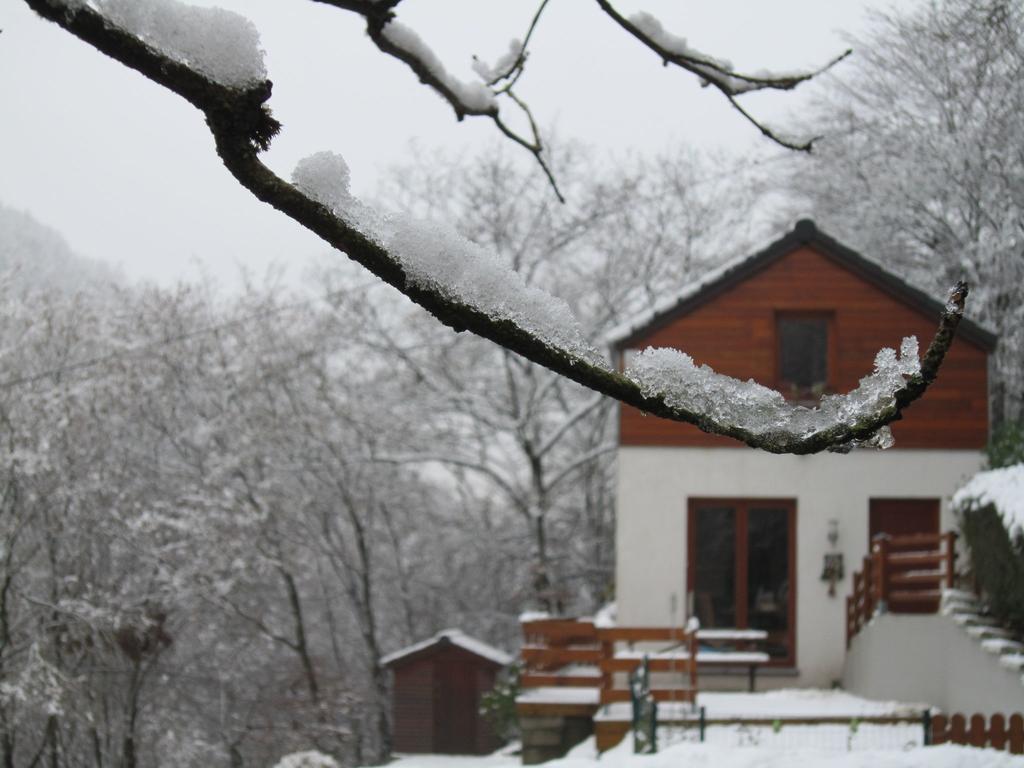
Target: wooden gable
{"x": 731, "y": 326}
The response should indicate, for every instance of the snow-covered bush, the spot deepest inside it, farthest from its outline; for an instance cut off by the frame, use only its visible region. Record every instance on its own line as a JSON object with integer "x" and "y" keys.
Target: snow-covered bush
{"x": 991, "y": 508}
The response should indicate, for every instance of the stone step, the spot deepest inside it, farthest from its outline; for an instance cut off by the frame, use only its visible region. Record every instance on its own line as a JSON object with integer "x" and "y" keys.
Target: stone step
{"x": 955, "y": 606}
{"x": 541, "y": 737}
{"x": 959, "y": 596}
{"x": 986, "y": 632}
{"x": 1014, "y": 661}
{"x": 1002, "y": 645}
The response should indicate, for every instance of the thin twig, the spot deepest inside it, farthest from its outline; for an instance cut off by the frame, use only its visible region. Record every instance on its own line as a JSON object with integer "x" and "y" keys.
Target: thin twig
{"x": 536, "y": 148}
{"x": 379, "y": 15}
{"x": 516, "y": 67}
{"x": 805, "y": 146}
{"x": 724, "y": 78}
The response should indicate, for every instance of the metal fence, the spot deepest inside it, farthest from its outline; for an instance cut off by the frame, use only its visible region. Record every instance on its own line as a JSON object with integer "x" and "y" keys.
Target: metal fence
{"x": 656, "y": 726}
{"x": 839, "y": 734}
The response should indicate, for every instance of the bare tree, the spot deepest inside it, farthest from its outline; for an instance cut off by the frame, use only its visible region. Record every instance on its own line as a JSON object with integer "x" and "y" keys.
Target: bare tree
{"x": 229, "y": 85}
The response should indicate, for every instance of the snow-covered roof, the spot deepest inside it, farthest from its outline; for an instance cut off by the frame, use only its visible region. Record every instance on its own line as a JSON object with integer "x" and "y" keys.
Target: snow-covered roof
{"x": 534, "y": 616}
{"x": 457, "y": 638}
{"x": 1003, "y": 488}
{"x": 805, "y": 232}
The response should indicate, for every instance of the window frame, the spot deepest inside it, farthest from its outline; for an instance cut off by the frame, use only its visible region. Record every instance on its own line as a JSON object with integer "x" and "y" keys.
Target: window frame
{"x": 742, "y": 505}
{"x": 786, "y": 388}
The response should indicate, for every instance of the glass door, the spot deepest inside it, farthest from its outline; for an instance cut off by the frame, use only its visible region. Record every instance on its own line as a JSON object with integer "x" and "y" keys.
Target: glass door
{"x": 741, "y": 568}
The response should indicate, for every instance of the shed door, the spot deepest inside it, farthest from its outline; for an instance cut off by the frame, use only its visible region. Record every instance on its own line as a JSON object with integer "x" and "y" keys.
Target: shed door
{"x": 899, "y": 517}
{"x": 455, "y": 707}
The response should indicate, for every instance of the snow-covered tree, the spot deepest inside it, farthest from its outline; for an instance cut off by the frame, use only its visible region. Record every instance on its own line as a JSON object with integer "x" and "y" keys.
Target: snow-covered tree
{"x": 34, "y": 255}
{"x": 197, "y": 555}
{"x": 533, "y": 450}
{"x": 922, "y": 160}
{"x": 212, "y": 59}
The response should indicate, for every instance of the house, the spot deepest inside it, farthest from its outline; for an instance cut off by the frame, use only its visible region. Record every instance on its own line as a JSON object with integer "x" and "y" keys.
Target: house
{"x": 436, "y": 692}
{"x": 737, "y": 568}
{"x": 740, "y": 538}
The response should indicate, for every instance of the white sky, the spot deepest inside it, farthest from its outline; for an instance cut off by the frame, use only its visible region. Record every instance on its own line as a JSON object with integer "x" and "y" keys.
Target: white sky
{"x": 127, "y": 172}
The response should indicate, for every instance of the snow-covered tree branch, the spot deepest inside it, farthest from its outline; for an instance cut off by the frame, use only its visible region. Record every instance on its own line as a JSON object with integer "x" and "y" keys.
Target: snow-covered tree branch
{"x": 673, "y": 49}
{"x": 475, "y": 99}
{"x": 482, "y": 99}
{"x": 212, "y": 59}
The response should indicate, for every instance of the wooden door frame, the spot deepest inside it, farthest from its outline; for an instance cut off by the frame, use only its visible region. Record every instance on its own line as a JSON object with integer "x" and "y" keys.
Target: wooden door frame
{"x": 741, "y": 505}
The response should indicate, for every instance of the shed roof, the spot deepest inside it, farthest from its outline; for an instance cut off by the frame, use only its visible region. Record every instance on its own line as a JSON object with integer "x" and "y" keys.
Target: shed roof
{"x": 445, "y": 638}
{"x": 805, "y": 232}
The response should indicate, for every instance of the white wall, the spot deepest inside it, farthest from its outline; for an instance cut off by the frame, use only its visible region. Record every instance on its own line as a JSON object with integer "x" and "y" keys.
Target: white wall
{"x": 932, "y": 660}
{"x": 655, "y": 483}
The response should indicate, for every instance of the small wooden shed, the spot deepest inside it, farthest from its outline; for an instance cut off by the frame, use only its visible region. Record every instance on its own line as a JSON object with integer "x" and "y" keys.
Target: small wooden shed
{"x": 436, "y": 694}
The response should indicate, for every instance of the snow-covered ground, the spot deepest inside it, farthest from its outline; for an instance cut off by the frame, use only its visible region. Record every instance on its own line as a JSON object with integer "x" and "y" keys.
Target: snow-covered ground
{"x": 717, "y": 756}
{"x": 855, "y": 745}
{"x": 795, "y": 703}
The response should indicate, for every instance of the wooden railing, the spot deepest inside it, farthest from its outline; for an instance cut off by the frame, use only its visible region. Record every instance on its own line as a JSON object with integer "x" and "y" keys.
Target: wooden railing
{"x": 901, "y": 574}
{"x": 575, "y": 653}
{"x": 560, "y": 652}
{"x": 678, "y": 656}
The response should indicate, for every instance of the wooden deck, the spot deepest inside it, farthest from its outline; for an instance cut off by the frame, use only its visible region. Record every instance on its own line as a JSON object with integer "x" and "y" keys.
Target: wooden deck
{"x": 572, "y": 668}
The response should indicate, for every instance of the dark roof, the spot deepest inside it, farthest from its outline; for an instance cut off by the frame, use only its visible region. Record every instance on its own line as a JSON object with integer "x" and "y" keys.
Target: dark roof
{"x": 804, "y": 233}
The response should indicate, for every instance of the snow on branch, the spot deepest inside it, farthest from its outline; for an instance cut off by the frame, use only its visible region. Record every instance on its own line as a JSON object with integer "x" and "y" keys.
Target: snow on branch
{"x": 436, "y": 258}
{"x": 407, "y": 45}
{"x": 221, "y": 45}
{"x": 673, "y": 49}
{"x": 673, "y": 376}
{"x": 466, "y": 99}
{"x": 467, "y": 289}
{"x": 510, "y": 63}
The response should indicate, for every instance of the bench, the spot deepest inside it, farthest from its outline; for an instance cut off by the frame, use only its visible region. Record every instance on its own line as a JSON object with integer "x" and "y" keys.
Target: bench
{"x": 740, "y": 651}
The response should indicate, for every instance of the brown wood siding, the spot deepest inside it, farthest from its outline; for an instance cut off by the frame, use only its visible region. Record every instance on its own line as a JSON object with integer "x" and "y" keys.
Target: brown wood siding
{"x": 413, "y": 706}
{"x": 734, "y": 333}
{"x": 902, "y": 517}
{"x": 436, "y": 702}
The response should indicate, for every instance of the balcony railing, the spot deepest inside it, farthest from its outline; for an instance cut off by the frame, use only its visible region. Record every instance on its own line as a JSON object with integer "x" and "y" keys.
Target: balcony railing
{"x": 901, "y": 574}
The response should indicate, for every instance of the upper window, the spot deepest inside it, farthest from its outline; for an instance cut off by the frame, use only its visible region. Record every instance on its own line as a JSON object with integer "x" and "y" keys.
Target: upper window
{"x": 803, "y": 342}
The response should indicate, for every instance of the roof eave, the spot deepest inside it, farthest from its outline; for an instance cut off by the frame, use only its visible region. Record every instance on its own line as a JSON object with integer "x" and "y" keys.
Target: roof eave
{"x": 805, "y": 232}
